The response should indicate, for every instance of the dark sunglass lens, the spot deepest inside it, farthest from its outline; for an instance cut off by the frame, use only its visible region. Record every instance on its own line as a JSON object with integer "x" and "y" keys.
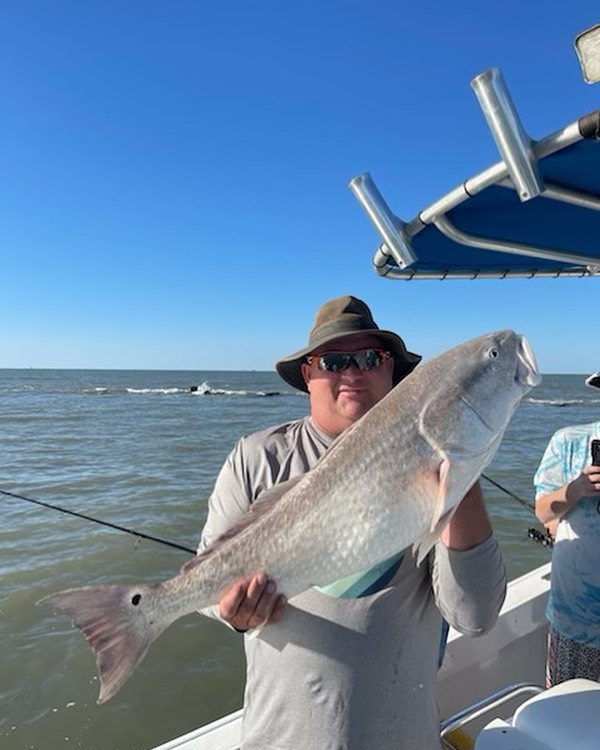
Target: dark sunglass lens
{"x": 334, "y": 362}
{"x": 367, "y": 360}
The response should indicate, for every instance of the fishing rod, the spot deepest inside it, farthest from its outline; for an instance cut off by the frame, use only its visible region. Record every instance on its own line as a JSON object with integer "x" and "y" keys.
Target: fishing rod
{"x": 527, "y": 505}
{"x": 544, "y": 539}
{"x": 139, "y": 534}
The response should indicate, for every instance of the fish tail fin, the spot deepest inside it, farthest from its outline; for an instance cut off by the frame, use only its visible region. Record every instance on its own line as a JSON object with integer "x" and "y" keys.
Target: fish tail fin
{"x": 118, "y": 623}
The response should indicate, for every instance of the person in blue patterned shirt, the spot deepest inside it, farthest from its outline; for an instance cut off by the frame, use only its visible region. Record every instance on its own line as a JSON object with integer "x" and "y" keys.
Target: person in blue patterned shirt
{"x": 567, "y": 487}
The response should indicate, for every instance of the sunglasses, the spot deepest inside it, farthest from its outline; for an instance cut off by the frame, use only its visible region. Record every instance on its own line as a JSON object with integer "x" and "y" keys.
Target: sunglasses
{"x": 364, "y": 361}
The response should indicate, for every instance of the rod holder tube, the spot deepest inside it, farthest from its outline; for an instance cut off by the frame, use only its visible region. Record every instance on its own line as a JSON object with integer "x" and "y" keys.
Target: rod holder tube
{"x": 514, "y": 144}
{"x": 389, "y": 226}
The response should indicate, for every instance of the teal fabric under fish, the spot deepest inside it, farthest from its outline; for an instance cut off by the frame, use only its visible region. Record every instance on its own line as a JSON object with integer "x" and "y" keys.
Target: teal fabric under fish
{"x": 371, "y": 581}
{"x": 366, "y": 582}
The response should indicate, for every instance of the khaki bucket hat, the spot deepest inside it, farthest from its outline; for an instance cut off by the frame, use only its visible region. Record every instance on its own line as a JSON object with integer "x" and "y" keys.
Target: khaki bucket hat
{"x": 343, "y": 317}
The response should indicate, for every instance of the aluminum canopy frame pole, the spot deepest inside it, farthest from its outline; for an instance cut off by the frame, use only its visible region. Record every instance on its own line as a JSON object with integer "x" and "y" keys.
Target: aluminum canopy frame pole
{"x": 389, "y": 226}
{"x": 514, "y": 144}
{"x": 534, "y": 213}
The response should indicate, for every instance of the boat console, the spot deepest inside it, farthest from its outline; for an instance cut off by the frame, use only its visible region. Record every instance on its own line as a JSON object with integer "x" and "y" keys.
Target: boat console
{"x": 564, "y": 716}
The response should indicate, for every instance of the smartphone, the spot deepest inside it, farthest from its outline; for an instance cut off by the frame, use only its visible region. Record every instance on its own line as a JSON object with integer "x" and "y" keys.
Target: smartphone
{"x": 596, "y": 452}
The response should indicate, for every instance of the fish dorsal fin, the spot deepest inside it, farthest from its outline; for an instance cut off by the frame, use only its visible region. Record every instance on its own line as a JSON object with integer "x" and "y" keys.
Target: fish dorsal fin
{"x": 341, "y": 437}
{"x": 263, "y": 505}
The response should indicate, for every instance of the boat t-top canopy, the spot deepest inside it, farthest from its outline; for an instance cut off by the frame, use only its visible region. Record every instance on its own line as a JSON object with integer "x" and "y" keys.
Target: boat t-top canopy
{"x": 534, "y": 213}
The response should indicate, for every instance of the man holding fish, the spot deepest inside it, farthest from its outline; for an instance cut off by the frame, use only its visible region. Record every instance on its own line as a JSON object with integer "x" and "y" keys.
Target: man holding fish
{"x": 352, "y": 665}
{"x": 341, "y": 540}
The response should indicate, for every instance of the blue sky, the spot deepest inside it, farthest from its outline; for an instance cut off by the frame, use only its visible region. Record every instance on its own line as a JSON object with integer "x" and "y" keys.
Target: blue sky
{"x": 173, "y": 173}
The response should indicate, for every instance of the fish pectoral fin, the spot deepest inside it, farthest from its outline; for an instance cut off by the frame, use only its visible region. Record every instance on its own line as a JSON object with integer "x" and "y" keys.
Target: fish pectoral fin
{"x": 423, "y": 545}
{"x": 441, "y": 513}
{"x": 440, "y": 506}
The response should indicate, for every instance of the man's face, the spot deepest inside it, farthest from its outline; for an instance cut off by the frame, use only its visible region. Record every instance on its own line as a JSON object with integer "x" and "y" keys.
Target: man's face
{"x": 338, "y": 399}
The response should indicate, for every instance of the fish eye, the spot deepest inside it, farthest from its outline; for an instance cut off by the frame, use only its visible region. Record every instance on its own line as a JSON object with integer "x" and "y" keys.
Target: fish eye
{"x": 136, "y": 599}
{"x": 493, "y": 353}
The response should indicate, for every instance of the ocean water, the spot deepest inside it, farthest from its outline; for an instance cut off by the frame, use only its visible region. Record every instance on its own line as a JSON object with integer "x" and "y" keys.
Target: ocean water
{"x": 141, "y": 450}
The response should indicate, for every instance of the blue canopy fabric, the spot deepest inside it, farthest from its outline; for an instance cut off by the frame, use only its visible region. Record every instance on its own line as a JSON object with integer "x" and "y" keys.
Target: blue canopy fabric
{"x": 495, "y": 213}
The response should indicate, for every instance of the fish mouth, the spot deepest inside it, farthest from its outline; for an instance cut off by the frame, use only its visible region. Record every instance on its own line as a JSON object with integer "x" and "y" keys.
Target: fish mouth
{"x": 527, "y": 370}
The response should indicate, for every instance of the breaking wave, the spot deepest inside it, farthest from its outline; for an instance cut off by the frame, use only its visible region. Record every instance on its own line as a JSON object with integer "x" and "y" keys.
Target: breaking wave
{"x": 204, "y": 389}
{"x": 560, "y": 402}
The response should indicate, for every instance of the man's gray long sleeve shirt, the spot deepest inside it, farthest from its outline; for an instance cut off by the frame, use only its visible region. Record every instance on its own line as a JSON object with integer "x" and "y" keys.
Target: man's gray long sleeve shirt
{"x": 349, "y": 674}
